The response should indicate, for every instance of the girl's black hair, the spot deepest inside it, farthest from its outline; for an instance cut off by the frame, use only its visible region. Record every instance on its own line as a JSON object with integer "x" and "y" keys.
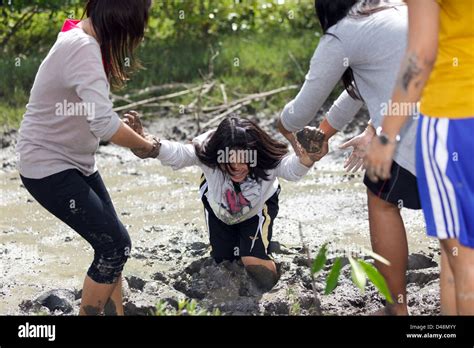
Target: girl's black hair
{"x": 235, "y": 133}
{"x": 120, "y": 28}
{"x": 329, "y": 12}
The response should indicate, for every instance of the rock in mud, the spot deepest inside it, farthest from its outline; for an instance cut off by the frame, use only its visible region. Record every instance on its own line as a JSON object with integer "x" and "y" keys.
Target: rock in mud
{"x": 31, "y": 308}
{"x": 135, "y": 283}
{"x": 197, "y": 248}
{"x": 139, "y": 307}
{"x": 161, "y": 277}
{"x": 60, "y": 299}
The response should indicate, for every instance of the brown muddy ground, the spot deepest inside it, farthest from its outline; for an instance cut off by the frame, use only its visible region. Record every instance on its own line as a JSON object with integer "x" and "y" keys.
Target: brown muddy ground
{"x": 164, "y": 216}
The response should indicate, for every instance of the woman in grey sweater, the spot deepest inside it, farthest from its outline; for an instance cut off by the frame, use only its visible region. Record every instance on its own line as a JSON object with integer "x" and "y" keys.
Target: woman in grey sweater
{"x": 363, "y": 44}
{"x": 68, "y": 112}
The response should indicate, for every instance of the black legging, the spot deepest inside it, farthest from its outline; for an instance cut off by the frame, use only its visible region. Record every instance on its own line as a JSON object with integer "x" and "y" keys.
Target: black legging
{"x": 84, "y": 204}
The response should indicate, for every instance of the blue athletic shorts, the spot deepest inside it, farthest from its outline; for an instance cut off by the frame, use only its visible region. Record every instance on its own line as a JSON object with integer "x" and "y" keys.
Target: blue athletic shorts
{"x": 445, "y": 173}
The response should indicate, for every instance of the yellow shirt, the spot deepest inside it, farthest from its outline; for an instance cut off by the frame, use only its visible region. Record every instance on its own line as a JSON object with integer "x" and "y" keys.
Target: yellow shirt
{"x": 449, "y": 91}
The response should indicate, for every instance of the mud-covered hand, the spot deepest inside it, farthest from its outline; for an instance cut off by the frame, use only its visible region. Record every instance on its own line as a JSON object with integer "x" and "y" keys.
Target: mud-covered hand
{"x": 360, "y": 145}
{"x": 314, "y": 141}
{"x": 132, "y": 119}
{"x": 316, "y": 156}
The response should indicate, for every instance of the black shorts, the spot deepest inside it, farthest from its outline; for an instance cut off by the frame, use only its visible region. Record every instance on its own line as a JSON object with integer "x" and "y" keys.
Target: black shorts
{"x": 401, "y": 189}
{"x": 248, "y": 238}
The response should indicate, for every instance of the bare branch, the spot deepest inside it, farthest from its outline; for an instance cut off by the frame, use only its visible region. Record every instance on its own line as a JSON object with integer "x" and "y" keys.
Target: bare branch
{"x": 155, "y": 99}
{"x": 224, "y": 94}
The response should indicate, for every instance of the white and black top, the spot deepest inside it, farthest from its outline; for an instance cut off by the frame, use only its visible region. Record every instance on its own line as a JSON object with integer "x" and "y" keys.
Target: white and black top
{"x": 221, "y": 189}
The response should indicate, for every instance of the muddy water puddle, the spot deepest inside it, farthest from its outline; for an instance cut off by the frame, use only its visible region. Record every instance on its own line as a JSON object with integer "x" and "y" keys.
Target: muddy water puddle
{"x": 163, "y": 214}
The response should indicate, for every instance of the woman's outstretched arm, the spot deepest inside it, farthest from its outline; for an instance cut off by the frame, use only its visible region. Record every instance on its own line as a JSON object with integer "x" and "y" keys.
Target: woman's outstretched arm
{"x": 171, "y": 153}
{"x": 326, "y": 68}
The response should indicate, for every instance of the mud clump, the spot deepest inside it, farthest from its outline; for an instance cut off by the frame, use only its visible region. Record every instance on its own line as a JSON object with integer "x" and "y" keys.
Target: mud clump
{"x": 418, "y": 261}
{"x": 229, "y": 287}
{"x": 311, "y": 138}
{"x": 59, "y": 301}
{"x": 226, "y": 286}
{"x": 135, "y": 283}
{"x": 171, "y": 244}
{"x": 422, "y": 277}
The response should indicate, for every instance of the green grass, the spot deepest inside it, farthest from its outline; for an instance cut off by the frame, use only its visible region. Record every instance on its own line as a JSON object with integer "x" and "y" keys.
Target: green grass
{"x": 264, "y": 60}
{"x": 17, "y": 73}
{"x": 10, "y": 116}
{"x": 245, "y": 64}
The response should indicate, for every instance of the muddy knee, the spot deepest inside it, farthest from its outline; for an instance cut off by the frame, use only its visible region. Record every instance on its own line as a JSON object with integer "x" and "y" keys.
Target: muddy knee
{"x": 263, "y": 276}
{"x": 108, "y": 264}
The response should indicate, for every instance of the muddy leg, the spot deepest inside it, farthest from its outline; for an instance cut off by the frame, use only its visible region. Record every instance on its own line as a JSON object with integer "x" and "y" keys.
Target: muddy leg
{"x": 388, "y": 238}
{"x": 114, "y": 305}
{"x": 94, "y": 297}
{"x": 263, "y": 271}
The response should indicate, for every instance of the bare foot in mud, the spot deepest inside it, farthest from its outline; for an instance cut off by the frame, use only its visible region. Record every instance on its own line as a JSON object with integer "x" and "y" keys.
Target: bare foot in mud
{"x": 311, "y": 138}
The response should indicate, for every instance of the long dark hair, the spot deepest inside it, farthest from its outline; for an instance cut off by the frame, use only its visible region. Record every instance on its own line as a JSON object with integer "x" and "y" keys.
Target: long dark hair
{"x": 235, "y": 133}
{"x": 329, "y": 12}
{"x": 120, "y": 28}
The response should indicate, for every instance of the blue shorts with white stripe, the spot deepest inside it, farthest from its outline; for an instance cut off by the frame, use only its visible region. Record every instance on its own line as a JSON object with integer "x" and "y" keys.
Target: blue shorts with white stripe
{"x": 445, "y": 173}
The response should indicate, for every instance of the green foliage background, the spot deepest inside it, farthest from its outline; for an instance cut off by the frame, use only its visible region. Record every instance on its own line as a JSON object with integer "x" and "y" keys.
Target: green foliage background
{"x": 272, "y": 39}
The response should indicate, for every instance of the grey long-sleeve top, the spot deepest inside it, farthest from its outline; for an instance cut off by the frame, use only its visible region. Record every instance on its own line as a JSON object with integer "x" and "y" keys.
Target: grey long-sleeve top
{"x": 373, "y": 46}
{"x": 69, "y": 109}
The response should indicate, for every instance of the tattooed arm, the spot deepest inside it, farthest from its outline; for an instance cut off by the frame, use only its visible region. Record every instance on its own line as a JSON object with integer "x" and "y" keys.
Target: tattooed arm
{"x": 416, "y": 67}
